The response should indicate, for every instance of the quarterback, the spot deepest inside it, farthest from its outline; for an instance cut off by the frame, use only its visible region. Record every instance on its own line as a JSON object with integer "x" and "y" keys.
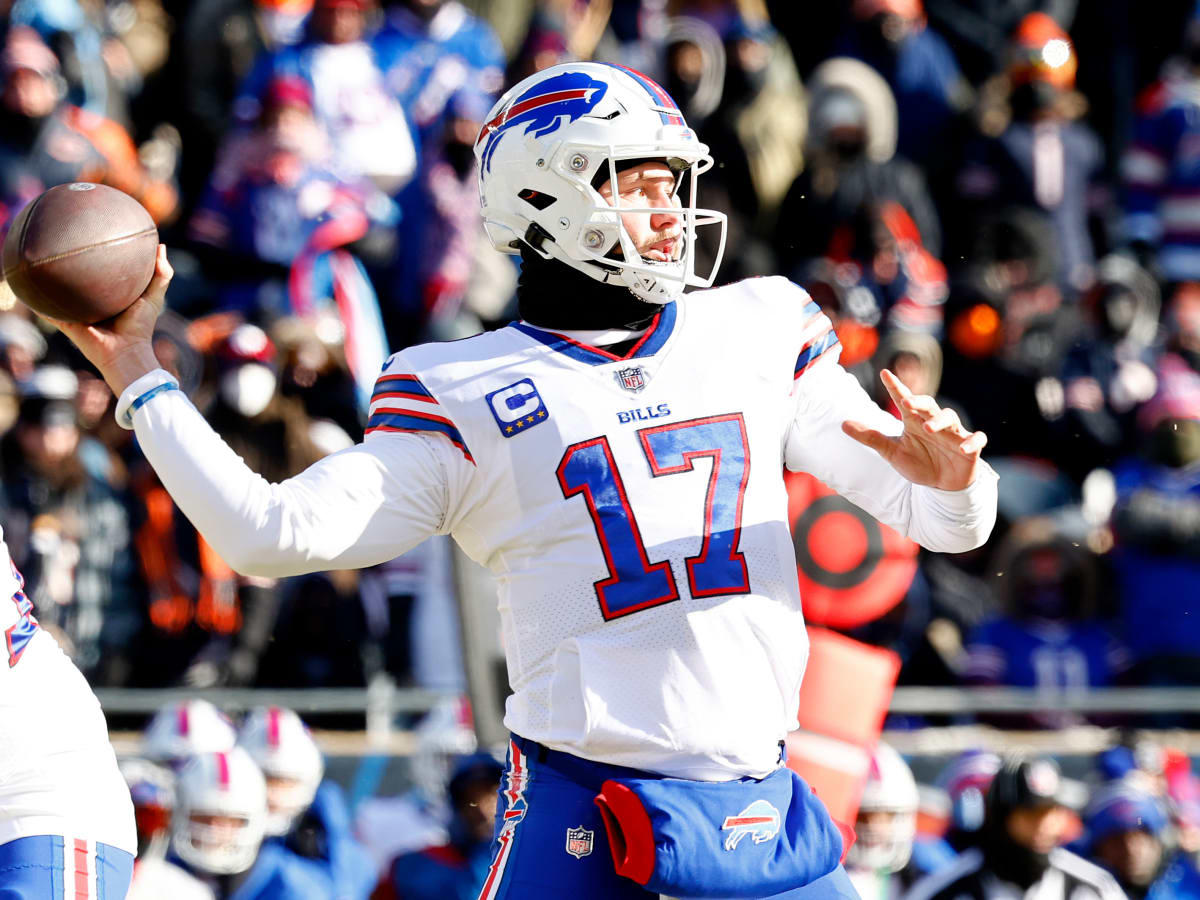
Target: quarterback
{"x": 616, "y": 459}
{"x": 66, "y": 819}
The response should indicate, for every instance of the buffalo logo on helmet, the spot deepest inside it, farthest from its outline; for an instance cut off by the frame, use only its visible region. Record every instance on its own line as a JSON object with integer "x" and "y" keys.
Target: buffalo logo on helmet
{"x": 579, "y": 841}
{"x": 542, "y": 108}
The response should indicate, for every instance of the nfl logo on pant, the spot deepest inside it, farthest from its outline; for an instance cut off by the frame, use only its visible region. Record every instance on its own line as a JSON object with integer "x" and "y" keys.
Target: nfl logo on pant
{"x": 579, "y": 842}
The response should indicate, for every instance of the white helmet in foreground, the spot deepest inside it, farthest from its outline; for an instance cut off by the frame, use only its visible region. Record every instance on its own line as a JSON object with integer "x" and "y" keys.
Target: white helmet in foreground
{"x": 280, "y": 743}
{"x": 184, "y": 728}
{"x": 220, "y": 812}
{"x": 552, "y": 140}
{"x": 887, "y": 815}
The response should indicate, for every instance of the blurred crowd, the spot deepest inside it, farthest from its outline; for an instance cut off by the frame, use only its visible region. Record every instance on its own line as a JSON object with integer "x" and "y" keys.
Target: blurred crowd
{"x": 998, "y": 200}
{"x": 992, "y": 827}
{"x": 248, "y": 812}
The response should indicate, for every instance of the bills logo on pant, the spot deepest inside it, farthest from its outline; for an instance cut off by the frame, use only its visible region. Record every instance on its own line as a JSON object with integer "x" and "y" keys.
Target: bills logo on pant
{"x": 579, "y": 842}
{"x": 517, "y": 407}
{"x": 760, "y": 820}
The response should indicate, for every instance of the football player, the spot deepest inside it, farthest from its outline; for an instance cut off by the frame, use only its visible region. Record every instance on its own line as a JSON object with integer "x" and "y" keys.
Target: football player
{"x": 217, "y": 832}
{"x": 305, "y": 815}
{"x": 184, "y": 728}
{"x": 879, "y": 860}
{"x": 616, "y": 459}
{"x": 66, "y": 820}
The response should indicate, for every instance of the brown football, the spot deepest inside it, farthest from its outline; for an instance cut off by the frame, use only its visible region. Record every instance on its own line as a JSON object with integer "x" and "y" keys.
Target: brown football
{"x": 80, "y": 252}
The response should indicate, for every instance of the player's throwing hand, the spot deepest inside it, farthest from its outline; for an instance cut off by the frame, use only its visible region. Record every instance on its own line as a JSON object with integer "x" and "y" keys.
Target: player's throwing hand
{"x": 121, "y": 348}
{"x": 934, "y": 449}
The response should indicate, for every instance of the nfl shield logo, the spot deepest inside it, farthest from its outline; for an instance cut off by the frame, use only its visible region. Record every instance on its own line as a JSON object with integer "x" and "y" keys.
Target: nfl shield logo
{"x": 631, "y": 379}
{"x": 579, "y": 842}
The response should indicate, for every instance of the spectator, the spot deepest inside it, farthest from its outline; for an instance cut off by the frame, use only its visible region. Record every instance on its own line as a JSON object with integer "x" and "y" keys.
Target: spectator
{"x": 441, "y": 234}
{"x": 1046, "y": 635}
{"x": 757, "y": 131}
{"x": 694, "y": 68}
{"x": 893, "y": 37}
{"x": 46, "y": 141}
{"x": 368, "y": 135}
{"x": 1127, "y": 833}
{"x": 1020, "y": 848}
{"x": 856, "y": 203}
{"x": 1043, "y": 159}
{"x": 219, "y": 42}
{"x": 457, "y": 869}
{"x": 1109, "y": 370}
{"x": 99, "y": 71}
{"x": 1158, "y": 179}
{"x": 67, "y": 524}
{"x": 429, "y": 50}
{"x": 1156, "y": 526}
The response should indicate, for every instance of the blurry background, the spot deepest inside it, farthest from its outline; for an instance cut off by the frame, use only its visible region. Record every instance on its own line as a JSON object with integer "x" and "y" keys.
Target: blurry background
{"x": 999, "y": 199}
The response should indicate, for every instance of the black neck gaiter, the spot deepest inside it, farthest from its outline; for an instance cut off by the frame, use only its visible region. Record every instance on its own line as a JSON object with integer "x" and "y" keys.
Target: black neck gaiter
{"x": 551, "y": 294}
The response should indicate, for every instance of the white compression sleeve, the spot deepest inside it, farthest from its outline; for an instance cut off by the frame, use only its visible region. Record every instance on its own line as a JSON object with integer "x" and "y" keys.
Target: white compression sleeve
{"x": 361, "y": 506}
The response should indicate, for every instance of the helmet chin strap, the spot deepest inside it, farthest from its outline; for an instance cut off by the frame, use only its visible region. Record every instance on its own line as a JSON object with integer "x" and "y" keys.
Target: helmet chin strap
{"x": 552, "y": 294}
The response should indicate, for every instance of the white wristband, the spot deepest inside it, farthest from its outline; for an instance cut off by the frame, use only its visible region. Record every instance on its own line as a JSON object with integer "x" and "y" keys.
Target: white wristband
{"x": 142, "y": 391}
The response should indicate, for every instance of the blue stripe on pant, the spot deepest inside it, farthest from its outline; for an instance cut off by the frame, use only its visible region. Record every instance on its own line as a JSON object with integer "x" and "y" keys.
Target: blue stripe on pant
{"x": 35, "y": 868}
{"x": 543, "y": 795}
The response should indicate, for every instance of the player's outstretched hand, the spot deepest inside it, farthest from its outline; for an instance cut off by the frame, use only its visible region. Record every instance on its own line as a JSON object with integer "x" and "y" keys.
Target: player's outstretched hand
{"x": 934, "y": 449}
{"x": 121, "y": 347}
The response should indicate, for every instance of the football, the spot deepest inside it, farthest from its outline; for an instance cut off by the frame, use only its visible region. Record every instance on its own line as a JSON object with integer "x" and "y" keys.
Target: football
{"x": 80, "y": 252}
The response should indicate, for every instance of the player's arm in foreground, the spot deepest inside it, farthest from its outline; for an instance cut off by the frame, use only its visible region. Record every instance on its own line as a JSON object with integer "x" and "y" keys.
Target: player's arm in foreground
{"x": 362, "y": 506}
{"x": 922, "y": 474}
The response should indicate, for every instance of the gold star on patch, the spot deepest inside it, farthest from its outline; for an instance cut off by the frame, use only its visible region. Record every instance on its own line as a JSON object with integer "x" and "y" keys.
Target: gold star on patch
{"x": 520, "y": 424}
{"x": 509, "y": 429}
{"x": 530, "y": 420}
{"x": 541, "y": 414}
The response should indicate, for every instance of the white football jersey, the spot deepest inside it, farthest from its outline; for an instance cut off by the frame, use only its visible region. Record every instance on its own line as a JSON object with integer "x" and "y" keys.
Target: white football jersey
{"x": 631, "y": 508}
{"x": 634, "y": 513}
{"x": 58, "y": 772}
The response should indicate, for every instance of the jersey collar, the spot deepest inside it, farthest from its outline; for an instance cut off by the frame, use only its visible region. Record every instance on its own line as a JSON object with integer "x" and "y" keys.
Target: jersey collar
{"x": 651, "y": 342}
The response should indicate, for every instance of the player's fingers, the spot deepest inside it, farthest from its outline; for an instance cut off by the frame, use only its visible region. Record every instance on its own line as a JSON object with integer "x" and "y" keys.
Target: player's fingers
{"x": 896, "y": 389}
{"x": 920, "y": 405}
{"x": 974, "y": 443}
{"x": 945, "y": 420}
{"x": 156, "y": 292}
{"x": 876, "y": 440}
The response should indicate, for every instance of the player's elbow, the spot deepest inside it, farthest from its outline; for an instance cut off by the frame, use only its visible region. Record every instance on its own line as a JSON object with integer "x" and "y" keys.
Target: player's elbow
{"x": 257, "y": 558}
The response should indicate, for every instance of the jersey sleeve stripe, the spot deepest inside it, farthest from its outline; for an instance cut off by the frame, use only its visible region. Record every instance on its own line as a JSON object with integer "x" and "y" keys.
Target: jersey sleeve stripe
{"x": 412, "y": 421}
{"x": 403, "y": 383}
{"x": 814, "y": 350}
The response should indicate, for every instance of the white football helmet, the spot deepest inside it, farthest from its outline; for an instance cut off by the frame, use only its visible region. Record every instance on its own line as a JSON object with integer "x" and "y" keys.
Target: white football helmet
{"x": 442, "y": 736}
{"x": 887, "y": 814}
{"x": 554, "y": 138}
{"x": 220, "y": 812}
{"x": 280, "y": 743}
{"x": 184, "y": 728}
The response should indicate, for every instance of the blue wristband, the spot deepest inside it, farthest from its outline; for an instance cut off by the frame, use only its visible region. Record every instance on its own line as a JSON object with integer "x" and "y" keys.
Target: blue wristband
{"x": 145, "y": 398}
